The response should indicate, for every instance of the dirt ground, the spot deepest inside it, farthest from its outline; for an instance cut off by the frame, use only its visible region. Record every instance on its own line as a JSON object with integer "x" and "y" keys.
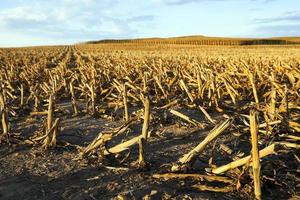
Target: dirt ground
{"x": 27, "y": 172}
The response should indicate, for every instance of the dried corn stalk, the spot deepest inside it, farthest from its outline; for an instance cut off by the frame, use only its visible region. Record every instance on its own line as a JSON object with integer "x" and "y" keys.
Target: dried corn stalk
{"x": 255, "y": 154}
{"x": 4, "y": 117}
{"x": 190, "y": 157}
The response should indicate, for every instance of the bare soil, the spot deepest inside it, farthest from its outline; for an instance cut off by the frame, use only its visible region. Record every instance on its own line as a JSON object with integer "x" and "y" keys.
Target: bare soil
{"x": 27, "y": 172}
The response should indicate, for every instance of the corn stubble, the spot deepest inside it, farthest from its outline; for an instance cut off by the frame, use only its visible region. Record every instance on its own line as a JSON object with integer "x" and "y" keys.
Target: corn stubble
{"x": 254, "y": 95}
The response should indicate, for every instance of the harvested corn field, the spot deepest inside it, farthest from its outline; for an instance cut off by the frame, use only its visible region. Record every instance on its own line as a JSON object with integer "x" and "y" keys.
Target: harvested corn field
{"x": 147, "y": 121}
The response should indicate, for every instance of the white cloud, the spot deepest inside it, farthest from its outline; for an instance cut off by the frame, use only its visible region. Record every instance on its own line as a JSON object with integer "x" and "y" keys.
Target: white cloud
{"x": 25, "y": 12}
{"x": 60, "y": 14}
{"x": 73, "y": 21}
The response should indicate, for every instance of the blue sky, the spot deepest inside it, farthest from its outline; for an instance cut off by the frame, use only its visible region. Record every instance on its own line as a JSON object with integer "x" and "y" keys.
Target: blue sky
{"x": 41, "y": 22}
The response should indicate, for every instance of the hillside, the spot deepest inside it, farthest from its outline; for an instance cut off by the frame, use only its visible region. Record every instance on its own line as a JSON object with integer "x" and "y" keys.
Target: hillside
{"x": 204, "y": 40}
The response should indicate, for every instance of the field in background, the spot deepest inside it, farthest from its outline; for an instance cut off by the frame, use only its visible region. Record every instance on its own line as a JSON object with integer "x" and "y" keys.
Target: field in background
{"x": 203, "y": 40}
{"x": 150, "y": 120}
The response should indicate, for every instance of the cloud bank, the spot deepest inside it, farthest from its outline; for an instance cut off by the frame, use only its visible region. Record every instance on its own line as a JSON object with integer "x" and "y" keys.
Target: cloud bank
{"x": 70, "y": 21}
